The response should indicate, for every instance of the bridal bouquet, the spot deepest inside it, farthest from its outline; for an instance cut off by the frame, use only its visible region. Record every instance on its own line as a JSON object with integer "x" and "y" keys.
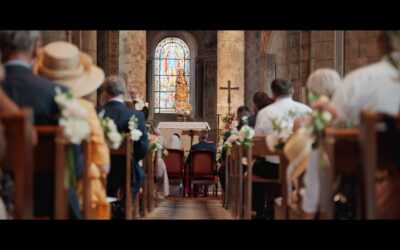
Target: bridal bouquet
{"x": 113, "y": 137}
{"x": 134, "y": 132}
{"x": 156, "y": 146}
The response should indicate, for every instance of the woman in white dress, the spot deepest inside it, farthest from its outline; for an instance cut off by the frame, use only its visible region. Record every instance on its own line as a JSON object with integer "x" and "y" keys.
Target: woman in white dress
{"x": 174, "y": 142}
{"x": 161, "y": 174}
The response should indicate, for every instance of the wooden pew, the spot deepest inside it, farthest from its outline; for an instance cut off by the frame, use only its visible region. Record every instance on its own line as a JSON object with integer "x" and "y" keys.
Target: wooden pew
{"x": 149, "y": 197}
{"x": 344, "y": 156}
{"x": 126, "y": 150}
{"x": 376, "y": 151}
{"x": 19, "y": 160}
{"x": 259, "y": 149}
{"x": 50, "y": 155}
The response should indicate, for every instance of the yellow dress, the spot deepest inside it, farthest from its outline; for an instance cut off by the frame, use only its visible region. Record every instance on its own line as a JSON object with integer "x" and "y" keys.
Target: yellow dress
{"x": 100, "y": 154}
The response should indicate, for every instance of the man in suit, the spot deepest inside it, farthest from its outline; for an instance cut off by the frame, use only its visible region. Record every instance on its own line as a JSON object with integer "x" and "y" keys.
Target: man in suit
{"x": 19, "y": 50}
{"x": 202, "y": 145}
{"x": 113, "y": 92}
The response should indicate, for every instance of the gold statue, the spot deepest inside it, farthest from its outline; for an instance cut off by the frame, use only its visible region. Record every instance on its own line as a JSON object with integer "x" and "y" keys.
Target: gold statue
{"x": 181, "y": 94}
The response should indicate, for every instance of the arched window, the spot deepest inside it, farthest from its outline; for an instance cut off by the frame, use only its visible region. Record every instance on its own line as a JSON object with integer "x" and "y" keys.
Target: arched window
{"x": 171, "y": 54}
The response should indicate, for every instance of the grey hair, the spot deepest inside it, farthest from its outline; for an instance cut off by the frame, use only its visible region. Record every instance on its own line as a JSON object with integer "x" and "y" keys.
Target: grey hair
{"x": 114, "y": 85}
{"x": 323, "y": 81}
{"x": 203, "y": 135}
{"x": 18, "y": 40}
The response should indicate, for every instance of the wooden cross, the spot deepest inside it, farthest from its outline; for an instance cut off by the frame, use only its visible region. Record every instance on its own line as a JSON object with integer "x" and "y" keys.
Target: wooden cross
{"x": 229, "y": 88}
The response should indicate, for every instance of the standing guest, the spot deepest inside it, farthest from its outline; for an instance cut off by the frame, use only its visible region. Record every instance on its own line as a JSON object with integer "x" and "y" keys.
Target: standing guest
{"x": 82, "y": 84}
{"x": 113, "y": 92}
{"x": 283, "y": 107}
{"x": 20, "y": 49}
{"x": 260, "y": 101}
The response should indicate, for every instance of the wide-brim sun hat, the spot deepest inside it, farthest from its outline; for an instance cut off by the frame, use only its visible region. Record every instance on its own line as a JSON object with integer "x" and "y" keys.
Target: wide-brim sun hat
{"x": 64, "y": 63}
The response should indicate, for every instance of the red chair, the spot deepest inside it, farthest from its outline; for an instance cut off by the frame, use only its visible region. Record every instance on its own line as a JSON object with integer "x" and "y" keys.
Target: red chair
{"x": 175, "y": 164}
{"x": 203, "y": 169}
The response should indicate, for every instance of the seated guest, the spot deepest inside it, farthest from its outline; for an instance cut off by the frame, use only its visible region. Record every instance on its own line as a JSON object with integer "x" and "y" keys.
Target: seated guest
{"x": 320, "y": 82}
{"x": 113, "y": 92}
{"x": 202, "y": 145}
{"x": 6, "y": 105}
{"x": 283, "y": 108}
{"x": 174, "y": 142}
{"x": 82, "y": 84}
{"x": 260, "y": 100}
{"x": 241, "y": 113}
{"x": 377, "y": 87}
{"x": 20, "y": 49}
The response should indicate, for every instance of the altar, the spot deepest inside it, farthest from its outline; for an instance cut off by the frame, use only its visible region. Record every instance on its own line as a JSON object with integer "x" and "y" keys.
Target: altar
{"x": 167, "y": 129}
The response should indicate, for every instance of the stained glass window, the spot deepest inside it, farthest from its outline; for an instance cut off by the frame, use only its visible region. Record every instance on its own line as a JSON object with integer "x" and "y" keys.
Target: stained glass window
{"x": 171, "y": 55}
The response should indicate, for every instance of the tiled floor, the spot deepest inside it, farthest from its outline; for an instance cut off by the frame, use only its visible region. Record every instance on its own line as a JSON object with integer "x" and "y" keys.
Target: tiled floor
{"x": 199, "y": 208}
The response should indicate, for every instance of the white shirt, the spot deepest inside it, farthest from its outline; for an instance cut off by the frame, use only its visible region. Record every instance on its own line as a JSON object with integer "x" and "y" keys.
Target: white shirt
{"x": 118, "y": 99}
{"x": 280, "y": 108}
{"x": 376, "y": 86}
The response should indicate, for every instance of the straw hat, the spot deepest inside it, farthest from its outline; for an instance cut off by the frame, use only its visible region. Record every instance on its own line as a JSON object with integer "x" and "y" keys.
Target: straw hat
{"x": 298, "y": 148}
{"x": 63, "y": 63}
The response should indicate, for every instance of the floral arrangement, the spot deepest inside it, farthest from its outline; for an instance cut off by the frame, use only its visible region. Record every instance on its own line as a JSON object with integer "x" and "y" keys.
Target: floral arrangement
{"x": 243, "y": 137}
{"x": 319, "y": 120}
{"x": 228, "y": 119}
{"x": 183, "y": 109}
{"x": 113, "y": 137}
{"x": 73, "y": 118}
{"x": 134, "y": 132}
{"x": 282, "y": 129}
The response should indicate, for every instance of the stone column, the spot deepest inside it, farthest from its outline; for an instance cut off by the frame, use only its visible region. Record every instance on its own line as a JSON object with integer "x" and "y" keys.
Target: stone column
{"x": 48, "y": 36}
{"x": 132, "y": 60}
{"x": 230, "y": 61}
{"x": 88, "y": 44}
{"x": 252, "y": 65}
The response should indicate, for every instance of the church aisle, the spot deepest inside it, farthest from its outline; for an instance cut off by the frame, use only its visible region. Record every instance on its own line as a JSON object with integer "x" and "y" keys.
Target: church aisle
{"x": 200, "y": 208}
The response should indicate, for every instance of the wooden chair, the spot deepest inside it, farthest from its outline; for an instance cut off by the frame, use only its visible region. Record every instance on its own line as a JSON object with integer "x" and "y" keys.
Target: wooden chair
{"x": 260, "y": 149}
{"x": 19, "y": 160}
{"x": 202, "y": 168}
{"x": 344, "y": 157}
{"x": 174, "y": 162}
{"x": 234, "y": 181}
{"x": 377, "y": 153}
{"x": 126, "y": 150}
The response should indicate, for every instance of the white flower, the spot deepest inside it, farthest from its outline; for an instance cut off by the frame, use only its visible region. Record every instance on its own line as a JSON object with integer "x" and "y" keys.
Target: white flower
{"x": 73, "y": 117}
{"x": 326, "y": 116}
{"x": 115, "y": 138}
{"x": 272, "y": 141}
{"x": 136, "y": 134}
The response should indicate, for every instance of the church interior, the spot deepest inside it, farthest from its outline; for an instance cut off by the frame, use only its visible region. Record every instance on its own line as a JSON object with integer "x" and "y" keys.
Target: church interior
{"x": 199, "y": 124}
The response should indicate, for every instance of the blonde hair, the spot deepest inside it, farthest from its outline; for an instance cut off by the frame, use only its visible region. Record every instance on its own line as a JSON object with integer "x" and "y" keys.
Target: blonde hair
{"x": 323, "y": 81}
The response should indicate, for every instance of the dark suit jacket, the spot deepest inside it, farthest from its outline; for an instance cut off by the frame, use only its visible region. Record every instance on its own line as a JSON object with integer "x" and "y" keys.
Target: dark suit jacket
{"x": 202, "y": 145}
{"x": 29, "y": 90}
{"x": 121, "y": 115}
